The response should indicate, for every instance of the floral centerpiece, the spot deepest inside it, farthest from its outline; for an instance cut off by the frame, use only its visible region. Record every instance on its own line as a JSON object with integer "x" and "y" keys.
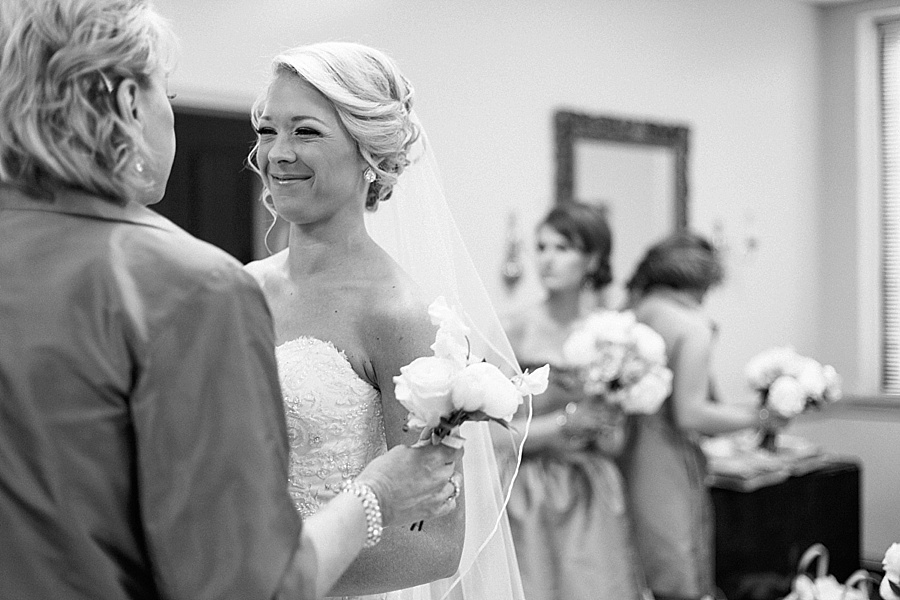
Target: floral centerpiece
{"x": 444, "y": 390}
{"x": 890, "y": 583}
{"x": 620, "y": 361}
{"x": 790, "y": 383}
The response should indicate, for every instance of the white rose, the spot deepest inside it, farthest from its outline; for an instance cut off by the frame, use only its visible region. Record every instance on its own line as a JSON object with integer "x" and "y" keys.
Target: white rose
{"x": 648, "y": 394}
{"x": 608, "y": 362}
{"x": 580, "y": 348}
{"x": 633, "y": 368}
{"x": 832, "y": 383}
{"x": 424, "y": 389}
{"x": 482, "y": 386}
{"x": 650, "y": 345}
{"x": 810, "y": 376}
{"x": 612, "y": 326}
{"x": 767, "y": 366}
{"x": 786, "y": 396}
{"x": 891, "y": 562}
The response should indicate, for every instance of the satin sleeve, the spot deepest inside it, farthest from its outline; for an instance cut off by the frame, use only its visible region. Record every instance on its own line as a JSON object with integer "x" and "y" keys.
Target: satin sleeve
{"x": 211, "y": 445}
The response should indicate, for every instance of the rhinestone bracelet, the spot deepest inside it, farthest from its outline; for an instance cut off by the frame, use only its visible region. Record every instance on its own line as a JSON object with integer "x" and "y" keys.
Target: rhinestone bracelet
{"x": 371, "y": 507}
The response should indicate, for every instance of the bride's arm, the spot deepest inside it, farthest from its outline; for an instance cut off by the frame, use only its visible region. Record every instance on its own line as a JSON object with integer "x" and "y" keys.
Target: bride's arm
{"x": 398, "y": 334}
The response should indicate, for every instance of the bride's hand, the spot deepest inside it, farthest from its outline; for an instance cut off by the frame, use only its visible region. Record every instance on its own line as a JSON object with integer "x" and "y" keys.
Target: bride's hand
{"x": 414, "y": 483}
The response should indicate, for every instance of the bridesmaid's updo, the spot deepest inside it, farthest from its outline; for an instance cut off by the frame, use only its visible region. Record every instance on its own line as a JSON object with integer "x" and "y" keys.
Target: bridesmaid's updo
{"x": 683, "y": 261}
{"x": 372, "y": 98}
{"x": 586, "y": 228}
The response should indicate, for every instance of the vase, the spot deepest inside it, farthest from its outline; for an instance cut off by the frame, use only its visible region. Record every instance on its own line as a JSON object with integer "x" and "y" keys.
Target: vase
{"x": 769, "y": 441}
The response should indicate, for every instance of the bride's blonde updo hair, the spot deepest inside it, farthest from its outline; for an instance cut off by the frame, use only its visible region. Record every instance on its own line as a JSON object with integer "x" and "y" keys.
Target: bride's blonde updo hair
{"x": 373, "y": 101}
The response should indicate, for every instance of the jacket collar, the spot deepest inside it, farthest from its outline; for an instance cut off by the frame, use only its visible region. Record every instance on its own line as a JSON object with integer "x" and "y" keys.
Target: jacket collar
{"x": 76, "y": 202}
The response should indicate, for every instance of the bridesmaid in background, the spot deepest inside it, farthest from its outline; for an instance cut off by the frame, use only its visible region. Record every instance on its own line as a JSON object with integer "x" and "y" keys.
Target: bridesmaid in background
{"x": 567, "y": 510}
{"x": 663, "y": 464}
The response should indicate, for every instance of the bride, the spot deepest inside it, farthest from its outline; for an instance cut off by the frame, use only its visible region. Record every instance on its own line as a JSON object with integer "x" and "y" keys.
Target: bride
{"x": 336, "y": 139}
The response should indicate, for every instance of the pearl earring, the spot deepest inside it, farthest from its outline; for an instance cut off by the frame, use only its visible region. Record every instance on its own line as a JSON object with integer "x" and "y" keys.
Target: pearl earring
{"x": 369, "y": 175}
{"x": 139, "y": 166}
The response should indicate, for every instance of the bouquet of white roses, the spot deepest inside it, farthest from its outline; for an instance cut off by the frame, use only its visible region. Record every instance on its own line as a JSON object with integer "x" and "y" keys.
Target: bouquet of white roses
{"x": 446, "y": 389}
{"x": 890, "y": 583}
{"x": 790, "y": 383}
{"x": 620, "y": 360}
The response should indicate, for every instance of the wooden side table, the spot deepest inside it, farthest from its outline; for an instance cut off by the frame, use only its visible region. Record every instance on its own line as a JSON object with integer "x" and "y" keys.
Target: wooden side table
{"x": 761, "y": 534}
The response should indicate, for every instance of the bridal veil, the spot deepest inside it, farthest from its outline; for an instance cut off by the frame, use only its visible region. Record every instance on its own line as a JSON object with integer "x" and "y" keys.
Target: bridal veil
{"x": 416, "y": 228}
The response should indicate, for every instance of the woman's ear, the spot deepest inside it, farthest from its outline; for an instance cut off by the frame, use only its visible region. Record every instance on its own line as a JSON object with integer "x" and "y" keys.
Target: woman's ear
{"x": 126, "y": 99}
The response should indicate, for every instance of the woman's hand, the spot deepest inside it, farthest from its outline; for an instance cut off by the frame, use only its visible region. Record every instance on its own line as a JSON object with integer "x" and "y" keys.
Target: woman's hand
{"x": 592, "y": 422}
{"x": 413, "y": 484}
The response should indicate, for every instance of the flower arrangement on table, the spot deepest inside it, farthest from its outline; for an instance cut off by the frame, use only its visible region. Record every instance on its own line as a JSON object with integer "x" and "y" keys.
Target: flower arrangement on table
{"x": 890, "y": 583}
{"x": 620, "y": 362}
{"x": 444, "y": 390}
{"x": 790, "y": 383}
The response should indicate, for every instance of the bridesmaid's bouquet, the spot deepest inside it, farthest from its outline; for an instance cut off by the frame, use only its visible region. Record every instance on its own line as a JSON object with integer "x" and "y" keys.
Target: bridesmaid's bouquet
{"x": 451, "y": 387}
{"x": 790, "y": 383}
{"x": 620, "y": 361}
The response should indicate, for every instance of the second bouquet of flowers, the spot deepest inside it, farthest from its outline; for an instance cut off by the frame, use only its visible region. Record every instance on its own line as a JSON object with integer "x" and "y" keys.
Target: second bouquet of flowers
{"x": 790, "y": 383}
{"x": 621, "y": 361}
{"x": 451, "y": 387}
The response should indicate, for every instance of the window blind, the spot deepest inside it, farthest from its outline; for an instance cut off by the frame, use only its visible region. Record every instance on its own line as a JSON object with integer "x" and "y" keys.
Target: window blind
{"x": 889, "y": 38}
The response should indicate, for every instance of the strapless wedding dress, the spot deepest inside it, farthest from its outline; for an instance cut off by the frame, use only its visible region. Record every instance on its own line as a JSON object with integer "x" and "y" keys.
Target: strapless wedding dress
{"x": 335, "y": 427}
{"x": 334, "y": 420}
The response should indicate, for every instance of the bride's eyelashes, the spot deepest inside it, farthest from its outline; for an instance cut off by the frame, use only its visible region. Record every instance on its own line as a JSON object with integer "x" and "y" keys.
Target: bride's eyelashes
{"x": 299, "y": 131}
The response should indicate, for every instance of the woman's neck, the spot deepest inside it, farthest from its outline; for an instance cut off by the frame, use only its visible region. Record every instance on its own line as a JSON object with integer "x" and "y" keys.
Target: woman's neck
{"x": 564, "y": 306}
{"x": 322, "y": 247}
{"x": 687, "y": 297}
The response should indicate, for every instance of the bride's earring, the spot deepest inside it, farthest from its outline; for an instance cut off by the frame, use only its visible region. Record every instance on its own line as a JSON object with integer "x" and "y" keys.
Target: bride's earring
{"x": 369, "y": 175}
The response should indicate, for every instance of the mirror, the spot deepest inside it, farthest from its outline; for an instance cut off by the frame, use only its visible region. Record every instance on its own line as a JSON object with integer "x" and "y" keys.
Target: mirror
{"x": 636, "y": 170}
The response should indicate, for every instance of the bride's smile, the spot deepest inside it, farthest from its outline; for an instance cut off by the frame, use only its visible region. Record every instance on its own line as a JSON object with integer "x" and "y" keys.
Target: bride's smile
{"x": 307, "y": 156}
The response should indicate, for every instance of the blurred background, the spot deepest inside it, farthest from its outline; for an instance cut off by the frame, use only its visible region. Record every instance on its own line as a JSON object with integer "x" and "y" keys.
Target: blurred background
{"x": 781, "y": 101}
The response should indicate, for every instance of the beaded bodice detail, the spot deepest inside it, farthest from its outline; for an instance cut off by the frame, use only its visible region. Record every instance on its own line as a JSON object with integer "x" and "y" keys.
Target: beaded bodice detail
{"x": 334, "y": 420}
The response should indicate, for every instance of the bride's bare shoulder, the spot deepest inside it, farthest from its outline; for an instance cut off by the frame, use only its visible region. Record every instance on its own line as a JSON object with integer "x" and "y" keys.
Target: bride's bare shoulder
{"x": 394, "y": 307}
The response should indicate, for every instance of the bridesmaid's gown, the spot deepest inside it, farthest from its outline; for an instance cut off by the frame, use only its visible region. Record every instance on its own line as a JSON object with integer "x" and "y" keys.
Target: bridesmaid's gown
{"x": 570, "y": 524}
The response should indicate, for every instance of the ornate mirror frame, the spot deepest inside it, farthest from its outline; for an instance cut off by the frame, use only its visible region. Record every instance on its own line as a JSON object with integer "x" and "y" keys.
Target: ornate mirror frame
{"x": 570, "y": 127}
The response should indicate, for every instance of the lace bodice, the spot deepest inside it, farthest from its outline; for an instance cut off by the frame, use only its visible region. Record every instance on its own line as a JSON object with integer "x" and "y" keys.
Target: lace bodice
{"x": 334, "y": 420}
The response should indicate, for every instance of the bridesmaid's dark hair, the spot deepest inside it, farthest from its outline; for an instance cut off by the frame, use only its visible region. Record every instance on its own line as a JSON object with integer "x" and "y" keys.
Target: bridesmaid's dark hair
{"x": 683, "y": 261}
{"x": 585, "y": 227}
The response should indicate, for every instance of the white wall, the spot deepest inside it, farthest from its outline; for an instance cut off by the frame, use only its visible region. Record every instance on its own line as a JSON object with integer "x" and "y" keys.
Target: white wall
{"x": 866, "y": 432}
{"x": 744, "y": 75}
{"x": 489, "y": 75}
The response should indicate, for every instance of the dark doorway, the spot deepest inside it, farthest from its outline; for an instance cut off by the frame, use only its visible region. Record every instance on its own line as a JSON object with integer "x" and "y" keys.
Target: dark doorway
{"x": 211, "y": 192}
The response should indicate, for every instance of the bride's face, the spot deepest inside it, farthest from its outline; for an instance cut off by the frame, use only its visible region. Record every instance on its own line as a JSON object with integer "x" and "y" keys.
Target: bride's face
{"x": 308, "y": 160}
{"x": 561, "y": 265}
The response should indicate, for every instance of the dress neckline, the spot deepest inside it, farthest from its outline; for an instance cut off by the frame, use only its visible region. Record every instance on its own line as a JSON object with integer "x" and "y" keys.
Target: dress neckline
{"x": 312, "y": 340}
